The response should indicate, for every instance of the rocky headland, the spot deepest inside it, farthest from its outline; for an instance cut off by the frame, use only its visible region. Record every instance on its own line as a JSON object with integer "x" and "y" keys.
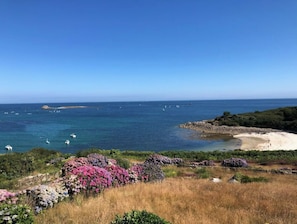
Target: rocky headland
{"x": 210, "y": 127}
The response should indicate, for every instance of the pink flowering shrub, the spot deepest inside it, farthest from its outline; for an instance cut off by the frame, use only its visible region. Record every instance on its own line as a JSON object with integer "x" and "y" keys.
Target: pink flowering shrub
{"x": 96, "y": 159}
{"x": 93, "y": 179}
{"x": 8, "y": 197}
{"x": 72, "y": 184}
{"x": 146, "y": 172}
{"x": 72, "y": 164}
{"x": 120, "y": 176}
{"x": 136, "y": 173}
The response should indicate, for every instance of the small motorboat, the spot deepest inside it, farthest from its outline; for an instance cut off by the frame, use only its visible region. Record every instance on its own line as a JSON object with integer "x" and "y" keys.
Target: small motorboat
{"x": 67, "y": 142}
{"x": 8, "y": 147}
{"x": 73, "y": 135}
{"x": 47, "y": 141}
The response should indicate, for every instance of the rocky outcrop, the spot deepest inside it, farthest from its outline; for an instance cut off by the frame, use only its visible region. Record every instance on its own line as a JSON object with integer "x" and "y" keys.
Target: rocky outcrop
{"x": 208, "y": 127}
{"x": 235, "y": 162}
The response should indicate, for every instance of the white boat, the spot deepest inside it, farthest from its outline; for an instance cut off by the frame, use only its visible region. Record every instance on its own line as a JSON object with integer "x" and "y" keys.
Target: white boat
{"x": 73, "y": 135}
{"x": 67, "y": 142}
{"x": 8, "y": 147}
{"x": 47, "y": 141}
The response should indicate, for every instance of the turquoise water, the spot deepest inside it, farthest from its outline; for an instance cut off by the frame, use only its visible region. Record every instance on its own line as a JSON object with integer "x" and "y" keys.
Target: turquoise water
{"x": 142, "y": 126}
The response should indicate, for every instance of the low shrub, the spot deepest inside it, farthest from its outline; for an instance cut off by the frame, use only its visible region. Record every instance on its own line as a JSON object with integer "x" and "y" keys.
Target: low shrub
{"x": 157, "y": 159}
{"x": 74, "y": 163}
{"x": 119, "y": 175}
{"x": 146, "y": 172}
{"x": 96, "y": 159}
{"x": 246, "y": 179}
{"x": 8, "y": 197}
{"x": 122, "y": 162}
{"x": 235, "y": 162}
{"x": 15, "y": 214}
{"x": 152, "y": 172}
{"x": 136, "y": 173}
{"x": 139, "y": 217}
{"x": 8, "y": 183}
{"x": 202, "y": 172}
{"x": 45, "y": 196}
{"x": 72, "y": 184}
{"x": 170, "y": 171}
{"x": 93, "y": 179}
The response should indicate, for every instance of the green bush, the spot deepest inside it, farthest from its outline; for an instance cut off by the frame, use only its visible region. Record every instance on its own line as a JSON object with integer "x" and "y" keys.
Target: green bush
{"x": 246, "y": 179}
{"x": 281, "y": 118}
{"x": 123, "y": 162}
{"x": 15, "y": 165}
{"x": 139, "y": 217}
{"x": 170, "y": 171}
{"x": 202, "y": 173}
{"x": 15, "y": 214}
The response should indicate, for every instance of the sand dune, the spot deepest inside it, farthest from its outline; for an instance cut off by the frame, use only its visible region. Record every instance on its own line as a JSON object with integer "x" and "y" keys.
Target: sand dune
{"x": 268, "y": 141}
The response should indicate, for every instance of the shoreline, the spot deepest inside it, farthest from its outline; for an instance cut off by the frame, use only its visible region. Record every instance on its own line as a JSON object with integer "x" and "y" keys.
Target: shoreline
{"x": 207, "y": 128}
{"x": 268, "y": 141}
{"x": 251, "y": 138}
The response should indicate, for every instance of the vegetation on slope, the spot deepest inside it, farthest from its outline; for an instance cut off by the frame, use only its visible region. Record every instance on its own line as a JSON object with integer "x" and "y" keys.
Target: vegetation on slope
{"x": 188, "y": 201}
{"x": 282, "y": 119}
{"x": 16, "y": 165}
{"x": 176, "y": 199}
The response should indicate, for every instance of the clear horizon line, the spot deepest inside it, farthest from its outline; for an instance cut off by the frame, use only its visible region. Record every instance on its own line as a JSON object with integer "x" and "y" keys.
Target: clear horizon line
{"x": 131, "y": 101}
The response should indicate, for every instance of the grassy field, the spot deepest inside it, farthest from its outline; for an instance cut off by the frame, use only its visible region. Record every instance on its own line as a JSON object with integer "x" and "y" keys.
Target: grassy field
{"x": 184, "y": 198}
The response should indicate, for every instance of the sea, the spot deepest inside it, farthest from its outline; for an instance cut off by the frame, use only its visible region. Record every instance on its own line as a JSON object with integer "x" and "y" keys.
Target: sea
{"x": 138, "y": 126}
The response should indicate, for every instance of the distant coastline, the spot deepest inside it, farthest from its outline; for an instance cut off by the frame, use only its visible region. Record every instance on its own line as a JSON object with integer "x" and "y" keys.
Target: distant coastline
{"x": 46, "y": 107}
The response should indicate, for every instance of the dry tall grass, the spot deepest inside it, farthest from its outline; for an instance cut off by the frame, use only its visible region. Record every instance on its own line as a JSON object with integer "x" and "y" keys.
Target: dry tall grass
{"x": 188, "y": 201}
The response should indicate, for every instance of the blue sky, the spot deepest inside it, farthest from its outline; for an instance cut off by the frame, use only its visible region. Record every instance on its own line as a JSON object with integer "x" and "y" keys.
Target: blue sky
{"x": 92, "y": 51}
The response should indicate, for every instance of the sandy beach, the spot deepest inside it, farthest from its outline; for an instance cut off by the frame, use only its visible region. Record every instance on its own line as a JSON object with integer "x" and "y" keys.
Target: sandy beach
{"x": 251, "y": 138}
{"x": 267, "y": 141}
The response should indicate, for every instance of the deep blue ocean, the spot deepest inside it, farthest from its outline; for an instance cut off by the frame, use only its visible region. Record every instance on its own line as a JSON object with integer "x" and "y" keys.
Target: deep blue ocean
{"x": 140, "y": 126}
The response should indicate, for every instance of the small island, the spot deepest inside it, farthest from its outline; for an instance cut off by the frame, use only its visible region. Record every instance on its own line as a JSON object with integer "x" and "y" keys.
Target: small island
{"x": 267, "y": 130}
{"x": 46, "y": 107}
